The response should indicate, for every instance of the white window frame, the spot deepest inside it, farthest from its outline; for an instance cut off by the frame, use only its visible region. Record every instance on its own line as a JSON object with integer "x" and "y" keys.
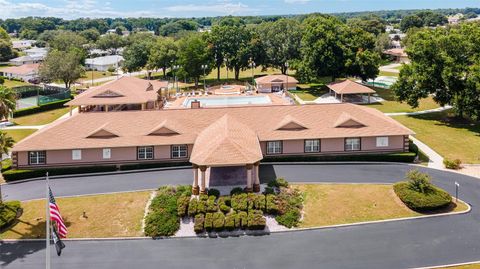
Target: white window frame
{"x": 107, "y": 153}
{"x": 274, "y": 147}
{"x": 382, "y": 141}
{"x": 351, "y": 146}
{"x": 76, "y": 154}
{"x": 179, "y": 151}
{"x": 38, "y": 157}
{"x": 312, "y": 145}
{"x": 145, "y": 153}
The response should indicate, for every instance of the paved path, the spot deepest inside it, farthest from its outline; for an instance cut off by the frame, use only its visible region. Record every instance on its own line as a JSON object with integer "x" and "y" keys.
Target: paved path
{"x": 403, "y": 244}
{"x": 435, "y": 159}
{"x": 440, "y": 109}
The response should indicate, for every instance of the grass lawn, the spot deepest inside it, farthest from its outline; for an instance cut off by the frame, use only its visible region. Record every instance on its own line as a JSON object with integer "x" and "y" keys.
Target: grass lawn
{"x": 42, "y": 117}
{"x": 18, "y": 135}
{"x": 388, "y": 74}
{"x": 391, "y": 105}
{"x": 450, "y": 137}
{"x": 87, "y": 77}
{"x": 468, "y": 266}
{"x": 108, "y": 215}
{"x": 13, "y": 83}
{"x": 331, "y": 204}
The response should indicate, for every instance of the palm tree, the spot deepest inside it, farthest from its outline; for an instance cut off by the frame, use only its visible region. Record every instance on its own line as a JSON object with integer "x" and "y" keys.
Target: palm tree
{"x": 6, "y": 143}
{"x": 8, "y": 102}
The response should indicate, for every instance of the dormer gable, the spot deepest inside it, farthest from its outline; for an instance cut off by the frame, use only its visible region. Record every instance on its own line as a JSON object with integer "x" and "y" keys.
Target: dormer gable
{"x": 102, "y": 132}
{"x": 346, "y": 120}
{"x": 289, "y": 123}
{"x": 163, "y": 129}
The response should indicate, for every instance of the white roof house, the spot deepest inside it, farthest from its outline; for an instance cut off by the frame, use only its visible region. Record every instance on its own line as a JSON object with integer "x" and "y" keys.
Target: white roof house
{"x": 104, "y": 63}
{"x": 36, "y": 51}
{"x": 22, "y": 44}
{"x": 29, "y": 59}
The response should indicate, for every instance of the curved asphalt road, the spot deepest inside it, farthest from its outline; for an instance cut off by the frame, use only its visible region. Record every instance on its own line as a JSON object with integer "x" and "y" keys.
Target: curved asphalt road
{"x": 401, "y": 244}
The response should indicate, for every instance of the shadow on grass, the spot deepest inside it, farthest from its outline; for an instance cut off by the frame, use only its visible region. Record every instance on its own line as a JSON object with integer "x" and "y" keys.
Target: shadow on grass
{"x": 450, "y": 208}
{"x": 445, "y": 118}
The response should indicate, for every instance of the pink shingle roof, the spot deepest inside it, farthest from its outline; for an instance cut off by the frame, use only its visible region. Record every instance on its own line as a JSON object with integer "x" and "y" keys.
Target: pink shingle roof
{"x": 21, "y": 69}
{"x": 349, "y": 87}
{"x": 133, "y": 127}
{"x": 276, "y": 78}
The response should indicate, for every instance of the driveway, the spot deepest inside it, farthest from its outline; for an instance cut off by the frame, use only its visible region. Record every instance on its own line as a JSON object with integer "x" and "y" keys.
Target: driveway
{"x": 402, "y": 244}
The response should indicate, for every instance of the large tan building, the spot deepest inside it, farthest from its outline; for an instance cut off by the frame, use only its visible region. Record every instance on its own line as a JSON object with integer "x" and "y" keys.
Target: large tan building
{"x": 212, "y": 138}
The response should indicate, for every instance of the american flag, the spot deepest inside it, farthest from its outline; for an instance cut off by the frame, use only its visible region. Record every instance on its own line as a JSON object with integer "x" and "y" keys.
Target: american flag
{"x": 55, "y": 215}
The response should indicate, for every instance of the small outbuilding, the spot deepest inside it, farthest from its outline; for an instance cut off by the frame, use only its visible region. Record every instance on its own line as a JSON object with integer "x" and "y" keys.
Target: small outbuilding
{"x": 352, "y": 89}
{"x": 398, "y": 55}
{"x": 104, "y": 63}
{"x": 275, "y": 83}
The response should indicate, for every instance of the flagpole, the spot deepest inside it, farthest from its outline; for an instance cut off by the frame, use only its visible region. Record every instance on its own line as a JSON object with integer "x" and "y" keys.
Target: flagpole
{"x": 47, "y": 208}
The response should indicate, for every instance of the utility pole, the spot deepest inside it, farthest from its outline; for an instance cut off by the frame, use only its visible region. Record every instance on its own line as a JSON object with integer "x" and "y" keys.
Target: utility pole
{"x": 204, "y": 67}
{"x": 253, "y": 65}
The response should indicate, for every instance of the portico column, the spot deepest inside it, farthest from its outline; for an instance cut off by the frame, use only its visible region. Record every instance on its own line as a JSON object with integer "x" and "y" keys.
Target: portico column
{"x": 256, "y": 178}
{"x": 202, "y": 179}
{"x": 195, "y": 187}
{"x": 249, "y": 178}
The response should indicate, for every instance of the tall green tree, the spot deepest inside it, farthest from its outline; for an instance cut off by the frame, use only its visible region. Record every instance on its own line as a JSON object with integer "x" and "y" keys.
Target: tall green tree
{"x": 369, "y": 23}
{"x": 445, "y": 64}
{"x": 67, "y": 40}
{"x": 111, "y": 42}
{"x": 136, "y": 56}
{"x": 411, "y": 21}
{"x": 192, "y": 54}
{"x": 281, "y": 41}
{"x": 162, "y": 54}
{"x": 91, "y": 35}
{"x": 6, "y": 143}
{"x": 62, "y": 65}
{"x": 6, "y": 51}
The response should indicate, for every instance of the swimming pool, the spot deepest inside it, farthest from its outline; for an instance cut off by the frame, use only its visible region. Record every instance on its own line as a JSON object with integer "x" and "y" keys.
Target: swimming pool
{"x": 228, "y": 101}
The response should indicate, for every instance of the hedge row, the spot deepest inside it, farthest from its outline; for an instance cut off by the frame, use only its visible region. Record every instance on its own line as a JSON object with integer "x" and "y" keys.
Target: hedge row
{"x": 40, "y": 108}
{"x": 8, "y": 213}
{"x": 18, "y": 174}
{"x": 137, "y": 166}
{"x": 404, "y": 157}
{"x": 218, "y": 221}
{"x": 433, "y": 199}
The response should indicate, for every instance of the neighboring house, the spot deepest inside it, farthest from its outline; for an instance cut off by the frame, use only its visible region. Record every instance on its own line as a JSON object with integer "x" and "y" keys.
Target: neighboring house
{"x": 28, "y": 59}
{"x": 104, "y": 63}
{"x": 398, "y": 55}
{"x": 212, "y": 138}
{"x": 22, "y": 44}
{"x": 37, "y": 52}
{"x": 455, "y": 19}
{"x": 125, "y": 93}
{"x": 23, "y": 72}
{"x": 275, "y": 83}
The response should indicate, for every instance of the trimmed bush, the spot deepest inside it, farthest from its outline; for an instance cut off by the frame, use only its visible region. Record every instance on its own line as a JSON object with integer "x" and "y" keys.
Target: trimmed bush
{"x": 404, "y": 157}
{"x": 241, "y": 220}
{"x": 19, "y": 174}
{"x": 161, "y": 223}
{"x": 199, "y": 221}
{"x": 41, "y": 108}
{"x": 433, "y": 199}
{"x": 271, "y": 204}
{"x": 192, "y": 207}
{"x": 259, "y": 202}
{"x": 218, "y": 221}
{"x": 202, "y": 206}
{"x": 165, "y": 203}
{"x": 203, "y": 197}
{"x": 230, "y": 221}
{"x": 251, "y": 197}
{"x": 211, "y": 205}
{"x": 239, "y": 202}
{"x": 8, "y": 213}
{"x": 214, "y": 192}
{"x": 137, "y": 166}
{"x": 236, "y": 190}
{"x": 269, "y": 190}
{"x": 277, "y": 183}
{"x": 223, "y": 204}
{"x": 289, "y": 219}
{"x": 289, "y": 199}
{"x": 182, "y": 205}
{"x": 185, "y": 190}
{"x": 255, "y": 220}
{"x": 208, "y": 224}
{"x": 418, "y": 181}
{"x": 452, "y": 164}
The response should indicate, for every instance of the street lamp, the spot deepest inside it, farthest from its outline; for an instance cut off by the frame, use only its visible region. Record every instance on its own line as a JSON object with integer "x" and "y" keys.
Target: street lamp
{"x": 226, "y": 65}
{"x": 204, "y": 66}
{"x": 175, "y": 67}
{"x": 253, "y": 65}
{"x": 286, "y": 72}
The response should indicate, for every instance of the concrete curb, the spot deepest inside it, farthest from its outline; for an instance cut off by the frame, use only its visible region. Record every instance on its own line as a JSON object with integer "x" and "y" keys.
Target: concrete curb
{"x": 469, "y": 208}
{"x": 448, "y": 265}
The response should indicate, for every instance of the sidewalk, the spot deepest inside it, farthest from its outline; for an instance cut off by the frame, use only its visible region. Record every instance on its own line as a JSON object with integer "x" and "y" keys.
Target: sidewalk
{"x": 435, "y": 160}
{"x": 440, "y": 109}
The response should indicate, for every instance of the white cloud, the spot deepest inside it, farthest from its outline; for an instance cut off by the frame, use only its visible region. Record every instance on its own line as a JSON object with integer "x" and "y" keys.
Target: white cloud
{"x": 297, "y": 1}
{"x": 225, "y": 8}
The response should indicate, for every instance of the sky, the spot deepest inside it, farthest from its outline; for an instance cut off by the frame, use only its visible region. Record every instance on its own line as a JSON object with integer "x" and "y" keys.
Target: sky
{"x": 71, "y": 9}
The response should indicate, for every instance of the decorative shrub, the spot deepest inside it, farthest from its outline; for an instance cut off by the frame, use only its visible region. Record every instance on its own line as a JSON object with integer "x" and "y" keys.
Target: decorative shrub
{"x": 224, "y": 204}
{"x": 164, "y": 202}
{"x": 289, "y": 219}
{"x": 218, "y": 221}
{"x": 202, "y": 206}
{"x": 230, "y": 221}
{"x": 269, "y": 190}
{"x": 239, "y": 202}
{"x": 241, "y": 220}
{"x": 198, "y": 226}
{"x": 19, "y": 174}
{"x": 271, "y": 204}
{"x": 259, "y": 202}
{"x": 433, "y": 199}
{"x": 418, "y": 181}
{"x": 289, "y": 199}
{"x": 8, "y": 213}
{"x": 236, "y": 190}
{"x": 192, "y": 207}
{"x": 185, "y": 190}
{"x": 182, "y": 205}
{"x": 251, "y": 197}
{"x": 161, "y": 223}
{"x": 203, "y": 197}
{"x": 214, "y": 192}
{"x": 452, "y": 164}
{"x": 277, "y": 183}
{"x": 208, "y": 224}
{"x": 211, "y": 205}
{"x": 255, "y": 220}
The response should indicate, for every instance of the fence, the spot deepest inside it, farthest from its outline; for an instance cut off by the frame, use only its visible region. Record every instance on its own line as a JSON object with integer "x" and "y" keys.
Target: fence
{"x": 29, "y": 96}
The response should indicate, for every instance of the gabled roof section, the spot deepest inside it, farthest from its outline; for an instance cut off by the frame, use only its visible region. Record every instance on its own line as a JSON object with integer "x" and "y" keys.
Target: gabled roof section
{"x": 102, "y": 132}
{"x": 349, "y": 87}
{"x": 290, "y": 123}
{"x": 108, "y": 93}
{"x": 164, "y": 129}
{"x": 348, "y": 121}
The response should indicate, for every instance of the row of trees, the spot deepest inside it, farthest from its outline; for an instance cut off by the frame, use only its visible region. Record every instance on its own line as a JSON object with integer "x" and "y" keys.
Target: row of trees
{"x": 444, "y": 62}
{"x": 6, "y": 49}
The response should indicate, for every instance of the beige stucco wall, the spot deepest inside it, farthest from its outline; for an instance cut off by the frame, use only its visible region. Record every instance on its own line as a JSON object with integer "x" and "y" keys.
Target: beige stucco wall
{"x": 267, "y": 87}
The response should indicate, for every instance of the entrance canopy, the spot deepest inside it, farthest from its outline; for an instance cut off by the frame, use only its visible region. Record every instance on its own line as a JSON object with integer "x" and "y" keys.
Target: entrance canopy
{"x": 226, "y": 142}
